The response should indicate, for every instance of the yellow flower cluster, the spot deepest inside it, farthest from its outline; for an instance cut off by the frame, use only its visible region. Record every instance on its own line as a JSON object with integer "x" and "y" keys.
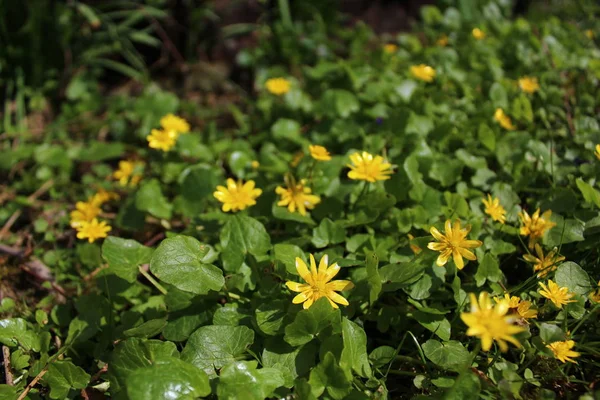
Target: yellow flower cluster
{"x": 297, "y": 196}
{"x": 423, "y": 72}
{"x": 504, "y": 120}
{"x": 529, "y": 84}
{"x": 390, "y": 48}
{"x": 165, "y": 138}
{"x": 84, "y": 217}
{"x": 520, "y": 308}
{"x": 129, "y": 173}
{"x": 278, "y": 86}
{"x": 478, "y": 34}
{"x": 491, "y": 322}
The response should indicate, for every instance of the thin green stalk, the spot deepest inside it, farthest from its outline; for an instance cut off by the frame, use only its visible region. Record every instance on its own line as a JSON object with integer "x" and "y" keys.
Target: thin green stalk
{"x": 284, "y": 12}
{"x": 592, "y": 311}
{"x": 153, "y": 281}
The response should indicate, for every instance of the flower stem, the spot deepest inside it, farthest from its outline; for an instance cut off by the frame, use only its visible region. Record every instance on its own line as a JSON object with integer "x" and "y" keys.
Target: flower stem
{"x": 152, "y": 280}
{"x": 592, "y": 311}
{"x": 360, "y": 195}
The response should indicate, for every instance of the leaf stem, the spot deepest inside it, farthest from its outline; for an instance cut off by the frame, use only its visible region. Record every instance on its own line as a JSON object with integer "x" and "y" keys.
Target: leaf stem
{"x": 152, "y": 280}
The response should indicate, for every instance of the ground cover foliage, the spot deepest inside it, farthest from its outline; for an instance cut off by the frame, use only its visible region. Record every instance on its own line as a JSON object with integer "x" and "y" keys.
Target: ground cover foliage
{"x": 386, "y": 217}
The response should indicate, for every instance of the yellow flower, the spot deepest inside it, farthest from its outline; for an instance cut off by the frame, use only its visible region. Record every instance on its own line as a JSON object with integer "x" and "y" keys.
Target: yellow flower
{"x": 175, "y": 124}
{"x": 296, "y": 159}
{"x": 128, "y": 172}
{"x": 390, "y": 48}
{"x": 367, "y": 167}
{"x": 297, "y": 197}
{"x": 490, "y": 323}
{"x": 543, "y": 264}
{"x": 319, "y": 283}
{"x": 478, "y": 34}
{"x": 162, "y": 140}
{"x": 93, "y": 230}
{"x": 442, "y": 41}
{"x": 590, "y": 34}
{"x": 84, "y": 212}
{"x": 535, "y": 226}
{"x": 319, "y": 153}
{"x": 102, "y": 196}
{"x": 511, "y": 301}
{"x": 255, "y": 164}
{"x": 453, "y": 243}
{"x": 597, "y": 152}
{"x": 562, "y": 350}
{"x": 525, "y": 311}
{"x": 278, "y": 86}
{"x": 494, "y": 209}
{"x": 237, "y": 195}
{"x": 423, "y": 72}
{"x": 415, "y": 249}
{"x": 528, "y": 84}
{"x": 558, "y": 295}
{"x": 595, "y": 295}
{"x": 504, "y": 120}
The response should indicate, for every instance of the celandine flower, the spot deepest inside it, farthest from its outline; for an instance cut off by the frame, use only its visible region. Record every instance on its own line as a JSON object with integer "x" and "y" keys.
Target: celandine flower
{"x": 535, "y": 226}
{"x": 494, "y": 209}
{"x": 529, "y": 84}
{"x": 255, "y": 164}
{"x": 562, "y": 350}
{"x": 319, "y": 153}
{"x": 367, "y": 167}
{"x": 102, "y": 196}
{"x": 423, "y": 72}
{"x": 413, "y": 247}
{"x": 511, "y": 301}
{"x": 278, "y": 86}
{"x": 597, "y": 152}
{"x": 542, "y": 263}
{"x": 595, "y": 295}
{"x": 490, "y": 323}
{"x": 237, "y": 195}
{"x": 84, "y": 212}
{"x": 93, "y": 230}
{"x": 453, "y": 243}
{"x": 442, "y": 41}
{"x": 162, "y": 140}
{"x": 478, "y": 34}
{"x": 525, "y": 311}
{"x": 558, "y": 295}
{"x": 129, "y": 172}
{"x": 318, "y": 283}
{"x": 590, "y": 34}
{"x": 503, "y": 120}
{"x": 171, "y": 122}
{"x": 297, "y": 197}
{"x": 390, "y": 48}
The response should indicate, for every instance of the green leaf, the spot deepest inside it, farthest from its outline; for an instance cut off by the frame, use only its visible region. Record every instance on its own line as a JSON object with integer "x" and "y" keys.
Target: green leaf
{"x": 134, "y": 353}
{"x": 489, "y": 269}
{"x": 467, "y": 386}
{"x": 566, "y": 231}
{"x": 196, "y": 183}
{"x": 124, "y": 256}
{"x": 309, "y": 323}
{"x": 420, "y": 125}
{"x": 242, "y": 235}
{"x": 179, "y": 261}
{"x": 402, "y": 273}
{"x": 168, "y": 378}
{"x": 15, "y": 331}
{"x": 498, "y": 96}
{"x": 487, "y": 136}
{"x": 291, "y": 361}
{"x": 150, "y": 198}
{"x": 450, "y": 355}
{"x": 446, "y": 171}
{"x": 241, "y": 380}
{"x": 62, "y": 376}
{"x": 354, "y": 355}
{"x": 590, "y": 194}
{"x": 214, "y": 346}
{"x": 147, "y": 329}
{"x": 287, "y": 129}
{"x": 269, "y": 317}
{"x": 373, "y": 278}
{"x": 329, "y": 375}
{"x": 283, "y": 213}
{"x": 551, "y": 333}
{"x": 287, "y": 253}
{"x": 435, "y": 323}
{"x": 328, "y": 232}
{"x": 572, "y": 276}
